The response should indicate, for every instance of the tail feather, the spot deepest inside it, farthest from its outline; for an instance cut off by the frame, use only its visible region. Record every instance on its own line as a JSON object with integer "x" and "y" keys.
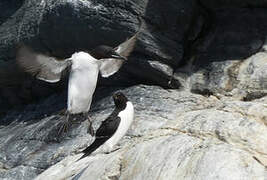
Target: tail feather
{"x": 96, "y": 144}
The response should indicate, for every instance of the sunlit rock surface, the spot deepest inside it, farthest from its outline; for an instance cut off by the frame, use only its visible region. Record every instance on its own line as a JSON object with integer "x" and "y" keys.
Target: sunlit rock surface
{"x": 197, "y": 79}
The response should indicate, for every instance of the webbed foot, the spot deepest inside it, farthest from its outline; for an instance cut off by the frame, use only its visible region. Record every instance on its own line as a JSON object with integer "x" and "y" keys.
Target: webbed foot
{"x": 65, "y": 124}
{"x": 90, "y": 128}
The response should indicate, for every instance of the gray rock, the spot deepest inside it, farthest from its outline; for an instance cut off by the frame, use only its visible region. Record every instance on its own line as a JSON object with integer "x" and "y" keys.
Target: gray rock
{"x": 8, "y": 8}
{"x": 174, "y": 134}
{"x": 180, "y": 135}
{"x": 213, "y": 127}
{"x": 245, "y": 80}
{"x": 234, "y": 3}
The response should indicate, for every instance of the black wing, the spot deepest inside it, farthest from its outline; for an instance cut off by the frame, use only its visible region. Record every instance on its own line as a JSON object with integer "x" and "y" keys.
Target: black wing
{"x": 96, "y": 144}
{"x": 46, "y": 68}
{"x": 125, "y": 48}
{"x": 109, "y": 126}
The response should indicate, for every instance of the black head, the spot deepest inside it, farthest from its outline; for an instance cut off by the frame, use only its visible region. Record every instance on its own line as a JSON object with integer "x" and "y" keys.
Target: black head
{"x": 120, "y": 100}
{"x": 103, "y": 52}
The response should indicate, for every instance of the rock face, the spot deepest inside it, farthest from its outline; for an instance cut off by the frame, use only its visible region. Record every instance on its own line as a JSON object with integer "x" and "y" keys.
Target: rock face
{"x": 175, "y": 134}
{"x": 209, "y": 121}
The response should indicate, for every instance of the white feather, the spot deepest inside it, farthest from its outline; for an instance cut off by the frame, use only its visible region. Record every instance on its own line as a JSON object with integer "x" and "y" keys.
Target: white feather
{"x": 82, "y": 82}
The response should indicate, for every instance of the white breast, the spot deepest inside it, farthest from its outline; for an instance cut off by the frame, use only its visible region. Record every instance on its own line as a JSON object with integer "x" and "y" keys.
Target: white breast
{"x": 83, "y": 60}
{"x": 127, "y": 116}
{"x": 82, "y": 82}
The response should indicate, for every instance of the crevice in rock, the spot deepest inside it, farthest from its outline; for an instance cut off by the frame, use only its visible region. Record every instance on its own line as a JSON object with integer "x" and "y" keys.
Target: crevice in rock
{"x": 39, "y": 168}
{"x": 190, "y": 43}
{"x": 250, "y": 96}
{"x": 188, "y": 133}
{"x": 243, "y": 113}
{"x": 254, "y": 157}
{"x": 218, "y": 136}
{"x": 232, "y": 73}
{"x": 203, "y": 92}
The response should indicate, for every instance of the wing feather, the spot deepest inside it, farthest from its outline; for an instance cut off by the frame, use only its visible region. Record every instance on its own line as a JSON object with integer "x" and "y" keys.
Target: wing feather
{"x": 44, "y": 67}
{"x": 125, "y": 48}
{"x": 110, "y": 66}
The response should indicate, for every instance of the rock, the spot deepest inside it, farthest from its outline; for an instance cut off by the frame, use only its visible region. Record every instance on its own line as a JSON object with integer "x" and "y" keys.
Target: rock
{"x": 209, "y": 122}
{"x": 235, "y": 3}
{"x": 8, "y": 8}
{"x": 224, "y": 55}
{"x": 244, "y": 79}
{"x": 174, "y": 134}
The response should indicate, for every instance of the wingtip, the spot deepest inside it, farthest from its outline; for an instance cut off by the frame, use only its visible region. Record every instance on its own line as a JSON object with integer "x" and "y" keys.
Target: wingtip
{"x": 141, "y": 26}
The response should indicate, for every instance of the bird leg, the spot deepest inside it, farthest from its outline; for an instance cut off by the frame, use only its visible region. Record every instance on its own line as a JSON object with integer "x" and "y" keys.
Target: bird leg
{"x": 69, "y": 120}
{"x": 72, "y": 119}
{"x": 90, "y": 128}
{"x": 65, "y": 123}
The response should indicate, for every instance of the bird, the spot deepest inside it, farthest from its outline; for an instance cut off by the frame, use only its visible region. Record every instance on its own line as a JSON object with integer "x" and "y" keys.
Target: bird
{"x": 114, "y": 127}
{"x": 84, "y": 69}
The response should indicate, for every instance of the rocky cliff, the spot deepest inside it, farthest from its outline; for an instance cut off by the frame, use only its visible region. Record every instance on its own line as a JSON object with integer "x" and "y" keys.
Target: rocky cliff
{"x": 197, "y": 79}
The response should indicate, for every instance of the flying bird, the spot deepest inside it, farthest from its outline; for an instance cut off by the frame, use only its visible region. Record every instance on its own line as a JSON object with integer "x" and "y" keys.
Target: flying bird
{"x": 84, "y": 68}
{"x": 114, "y": 127}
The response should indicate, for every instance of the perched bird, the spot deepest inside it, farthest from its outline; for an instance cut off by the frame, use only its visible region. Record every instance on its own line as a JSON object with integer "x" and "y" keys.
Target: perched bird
{"x": 114, "y": 127}
{"x": 84, "y": 69}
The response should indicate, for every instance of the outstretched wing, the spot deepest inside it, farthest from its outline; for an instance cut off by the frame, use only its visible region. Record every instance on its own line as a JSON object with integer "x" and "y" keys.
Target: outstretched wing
{"x": 42, "y": 66}
{"x": 125, "y": 48}
{"x": 110, "y": 66}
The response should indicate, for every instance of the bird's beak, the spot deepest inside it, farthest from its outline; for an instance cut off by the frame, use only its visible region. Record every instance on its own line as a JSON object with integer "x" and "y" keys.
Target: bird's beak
{"x": 118, "y": 56}
{"x": 68, "y": 59}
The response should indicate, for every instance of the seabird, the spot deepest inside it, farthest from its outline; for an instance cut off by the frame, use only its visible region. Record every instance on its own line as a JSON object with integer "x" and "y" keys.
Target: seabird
{"x": 84, "y": 69}
{"x": 114, "y": 127}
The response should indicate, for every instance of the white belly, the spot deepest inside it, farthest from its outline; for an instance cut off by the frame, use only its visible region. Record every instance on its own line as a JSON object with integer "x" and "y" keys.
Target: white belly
{"x": 82, "y": 84}
{"x": 127, "y": 116}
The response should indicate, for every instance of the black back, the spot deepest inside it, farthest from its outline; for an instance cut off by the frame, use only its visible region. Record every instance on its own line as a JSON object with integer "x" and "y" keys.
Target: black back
{"x": 109, "y": 126}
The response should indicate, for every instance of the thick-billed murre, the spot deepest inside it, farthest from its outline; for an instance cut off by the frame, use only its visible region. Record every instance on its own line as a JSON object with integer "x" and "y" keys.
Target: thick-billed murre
{"x": 84, "y": 69}
{"x": 114, "y": 127}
